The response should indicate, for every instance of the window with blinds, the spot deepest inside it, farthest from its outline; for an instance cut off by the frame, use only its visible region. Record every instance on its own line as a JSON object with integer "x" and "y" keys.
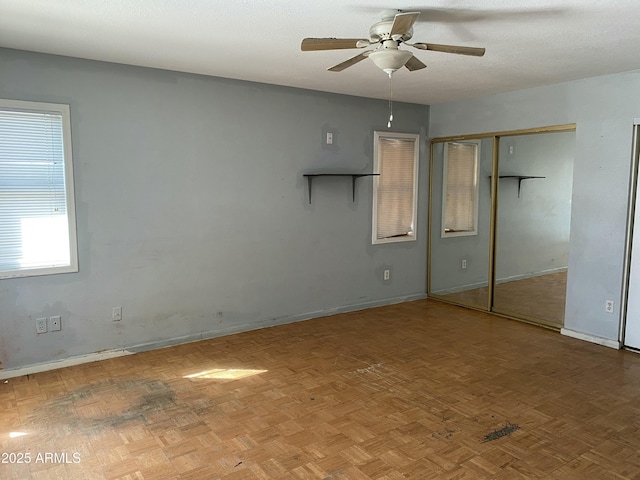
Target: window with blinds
{"x": 460, "y": 193}
{"x": 37, "y": 219}
{"x": 395, "y": 189}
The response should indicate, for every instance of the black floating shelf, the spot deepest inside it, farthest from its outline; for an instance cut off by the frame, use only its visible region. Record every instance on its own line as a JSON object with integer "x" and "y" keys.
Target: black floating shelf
{"x": 354, "y": 176}
{"x": 520, "y": 179}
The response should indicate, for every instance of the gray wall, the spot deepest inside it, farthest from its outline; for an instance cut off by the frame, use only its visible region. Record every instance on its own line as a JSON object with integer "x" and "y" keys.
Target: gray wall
{"x": 603, "y": 109}
{"x": 192, "y": 211}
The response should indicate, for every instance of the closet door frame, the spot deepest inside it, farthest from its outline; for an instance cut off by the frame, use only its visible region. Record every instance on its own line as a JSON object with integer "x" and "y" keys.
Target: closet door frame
{"x": 631, "y": 213}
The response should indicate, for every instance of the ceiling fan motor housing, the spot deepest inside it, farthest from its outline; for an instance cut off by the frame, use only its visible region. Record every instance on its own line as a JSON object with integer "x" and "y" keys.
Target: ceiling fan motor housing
{"x": 382, "y": 30}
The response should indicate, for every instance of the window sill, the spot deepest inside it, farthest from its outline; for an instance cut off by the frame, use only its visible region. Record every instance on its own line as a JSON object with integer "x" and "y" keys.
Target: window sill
{"x": 398, "y": 239}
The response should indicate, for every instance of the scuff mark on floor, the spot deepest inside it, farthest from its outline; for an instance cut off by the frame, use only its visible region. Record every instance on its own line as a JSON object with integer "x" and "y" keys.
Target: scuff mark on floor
{"x": 505, "y": 431}
{"x": 373, "y": 368}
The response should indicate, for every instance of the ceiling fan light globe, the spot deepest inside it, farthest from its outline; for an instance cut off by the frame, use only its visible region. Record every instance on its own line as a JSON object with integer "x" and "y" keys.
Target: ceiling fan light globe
{"x": 390, "y": 60}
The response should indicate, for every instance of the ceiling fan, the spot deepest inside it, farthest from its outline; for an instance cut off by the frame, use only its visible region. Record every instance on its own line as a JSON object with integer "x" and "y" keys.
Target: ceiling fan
{"x": 386, "y": 36}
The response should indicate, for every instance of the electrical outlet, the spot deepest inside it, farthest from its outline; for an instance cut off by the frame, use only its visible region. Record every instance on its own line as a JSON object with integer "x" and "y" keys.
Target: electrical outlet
{"x": 464, "y": 263}
{"x": 55, "y": 324}
{"x": 116, "y": 314}
{"x": 329, "y": 138}
{"x": 386, "y": 275}
{"x": 608, "y": 306}
{"x": 41, "y": 325}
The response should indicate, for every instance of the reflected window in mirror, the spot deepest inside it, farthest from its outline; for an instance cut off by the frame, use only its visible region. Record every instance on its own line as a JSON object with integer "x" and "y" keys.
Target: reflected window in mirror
{"x": 460, "y": 193}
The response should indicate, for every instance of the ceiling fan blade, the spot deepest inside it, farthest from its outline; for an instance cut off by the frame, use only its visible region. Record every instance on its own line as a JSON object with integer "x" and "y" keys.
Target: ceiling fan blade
{"x": 414, "y": 64}
{"x": 311, "y": 44}
{"x": 458, "y": 19}
{"x": 435, "y": 47}
{"x": 351, "y": 61}
{"x": 459, "y": 15}
{"x": 403, "y": 22}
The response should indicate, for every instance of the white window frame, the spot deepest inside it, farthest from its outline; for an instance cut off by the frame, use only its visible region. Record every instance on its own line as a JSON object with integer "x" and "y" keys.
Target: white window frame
{"x": 476, "y": 194}
{"x": 64, "y": 111}
{"x": 410, "y": 236}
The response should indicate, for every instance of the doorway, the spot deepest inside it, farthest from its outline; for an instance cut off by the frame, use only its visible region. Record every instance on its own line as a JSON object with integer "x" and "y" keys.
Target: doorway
{"x": 499, "y": 219}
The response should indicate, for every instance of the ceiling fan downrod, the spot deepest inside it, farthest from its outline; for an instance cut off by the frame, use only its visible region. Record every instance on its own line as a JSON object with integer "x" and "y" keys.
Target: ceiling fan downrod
{"x": 390, "y": 99}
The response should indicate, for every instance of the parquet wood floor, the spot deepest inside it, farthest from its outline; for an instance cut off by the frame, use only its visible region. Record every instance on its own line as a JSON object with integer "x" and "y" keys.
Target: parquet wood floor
{"x": 541, "y": 297}
{"x": 421, "y": 390}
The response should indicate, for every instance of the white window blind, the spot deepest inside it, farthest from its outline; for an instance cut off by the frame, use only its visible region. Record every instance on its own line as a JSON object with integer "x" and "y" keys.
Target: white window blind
{"x": 395, "y": 190}
{"x": 36, "y": 233}
{"x": 461, "y": 188}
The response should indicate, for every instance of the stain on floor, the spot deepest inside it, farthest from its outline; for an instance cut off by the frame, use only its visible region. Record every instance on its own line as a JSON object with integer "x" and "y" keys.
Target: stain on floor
{"x": 108, "y": 404}
{"x": 505, "y": 431}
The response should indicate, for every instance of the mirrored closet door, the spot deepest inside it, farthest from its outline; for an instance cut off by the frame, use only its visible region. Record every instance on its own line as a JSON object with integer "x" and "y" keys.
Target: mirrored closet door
{"x": 500, "y": 242}
{"x": 460, "y": 210}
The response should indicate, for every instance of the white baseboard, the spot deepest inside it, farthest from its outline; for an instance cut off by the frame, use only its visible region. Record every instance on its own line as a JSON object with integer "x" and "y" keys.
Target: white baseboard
{"x": 591, "y": 338}
{"x": 462, "y": 288}
{"x": 67, "y": 362}
{"x": 143, "y": 347}
{"x": 525, "y": 276}
{"x": 499, "y": 281}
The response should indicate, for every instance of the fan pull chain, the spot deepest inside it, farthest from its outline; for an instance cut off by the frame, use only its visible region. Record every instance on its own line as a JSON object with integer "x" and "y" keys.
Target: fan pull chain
{"x": 390, "y": 101}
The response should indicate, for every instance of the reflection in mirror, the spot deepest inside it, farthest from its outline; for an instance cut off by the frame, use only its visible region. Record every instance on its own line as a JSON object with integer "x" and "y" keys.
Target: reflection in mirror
{"x": 460, "y": 208}
{"x": 533, "y": 218}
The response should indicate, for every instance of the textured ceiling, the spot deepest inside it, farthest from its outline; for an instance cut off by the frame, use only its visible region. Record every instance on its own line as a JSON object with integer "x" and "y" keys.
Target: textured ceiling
{"x": 528, "y": 42}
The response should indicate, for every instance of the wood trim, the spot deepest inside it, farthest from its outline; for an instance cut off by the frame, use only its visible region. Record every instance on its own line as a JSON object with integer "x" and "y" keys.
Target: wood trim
{"x": 569, "y": 127}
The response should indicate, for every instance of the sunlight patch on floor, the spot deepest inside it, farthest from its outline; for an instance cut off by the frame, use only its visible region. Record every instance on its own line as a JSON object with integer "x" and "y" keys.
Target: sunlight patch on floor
{"x": 226, "y": 373}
